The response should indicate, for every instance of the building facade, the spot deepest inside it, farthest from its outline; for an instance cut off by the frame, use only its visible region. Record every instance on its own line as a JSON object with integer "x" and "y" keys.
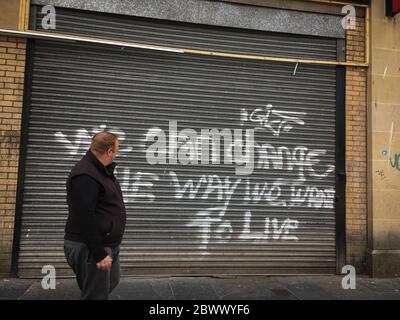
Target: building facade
{"x": 383, "y": 141}
{"x": 247, "y": 132}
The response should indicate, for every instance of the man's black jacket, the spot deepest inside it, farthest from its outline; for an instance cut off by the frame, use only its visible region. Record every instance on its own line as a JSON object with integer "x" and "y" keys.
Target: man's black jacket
{"x": 96, "y": 208}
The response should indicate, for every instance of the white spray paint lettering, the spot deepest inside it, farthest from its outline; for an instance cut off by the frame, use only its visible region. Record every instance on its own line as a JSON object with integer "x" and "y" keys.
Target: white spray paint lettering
{"x": 79, "y": 142}
{"x": 272, "y": 229}
{"x": 273, "y": 120}
{"x": 299, "y": 158}
{"x": 211, "y": 186}
{"x": 190, "y": 147}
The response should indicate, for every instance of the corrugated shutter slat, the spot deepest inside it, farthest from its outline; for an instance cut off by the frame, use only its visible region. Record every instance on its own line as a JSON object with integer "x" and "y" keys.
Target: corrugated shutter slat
{"x": 278, "y": 220}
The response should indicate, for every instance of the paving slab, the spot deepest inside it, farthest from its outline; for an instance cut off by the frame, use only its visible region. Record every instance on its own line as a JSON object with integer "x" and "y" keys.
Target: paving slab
{"x": 12, "y": 289}
{"x": 192, "y": 289}
{"x": 66, "y": 289}
{"x": 250, "y": 288}
{"x": 137, "y": 289}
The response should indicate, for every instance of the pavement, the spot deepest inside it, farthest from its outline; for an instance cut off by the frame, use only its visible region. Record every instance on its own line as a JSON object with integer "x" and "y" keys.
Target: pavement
{"x": 214, "y": 288}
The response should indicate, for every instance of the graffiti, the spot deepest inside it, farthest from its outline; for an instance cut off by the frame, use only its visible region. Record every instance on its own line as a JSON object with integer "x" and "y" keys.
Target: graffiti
{"x": 272, "y": 120}
{"x": 221, "y": 189}
{"x": 217, "y": 197}
{"x": 138, "y": 186}
{"x": 79, "y": 142}
{"x": 299, "y": 158}
{"x": 210, "y": 184}
{"x": 312, "y": 197}
{"x": 212, "y": 222}
{"x": 268, "y": 192}
{"x": 76, "y": 146}
{"x": 10, "y": 138}
{"x": 381, "y": 173}
{"x": 205, "y": 219}
{"x": 212, "y": 218}
{"x": 395, "y": 161}
{"x": 272, "y": 229}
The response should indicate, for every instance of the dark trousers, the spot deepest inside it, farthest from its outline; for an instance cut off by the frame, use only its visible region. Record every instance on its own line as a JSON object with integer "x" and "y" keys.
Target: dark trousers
{"x": 95, "y": 284}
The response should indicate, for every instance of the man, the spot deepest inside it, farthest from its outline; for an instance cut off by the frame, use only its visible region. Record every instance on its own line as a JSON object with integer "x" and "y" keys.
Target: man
{"x": 96, "y": 220}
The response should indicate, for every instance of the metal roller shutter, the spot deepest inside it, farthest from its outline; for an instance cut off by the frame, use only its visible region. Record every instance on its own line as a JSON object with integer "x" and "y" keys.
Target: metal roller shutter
{"x": 187, "y": 218}
{"x": 185, "y": 35}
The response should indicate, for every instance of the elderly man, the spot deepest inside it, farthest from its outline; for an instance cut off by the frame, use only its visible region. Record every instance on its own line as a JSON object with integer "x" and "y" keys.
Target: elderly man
{"x": 96, "y": 220}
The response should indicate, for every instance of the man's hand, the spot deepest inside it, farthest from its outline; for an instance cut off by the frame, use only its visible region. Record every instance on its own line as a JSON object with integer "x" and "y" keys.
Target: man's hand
{"x": 104, "y": 264}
